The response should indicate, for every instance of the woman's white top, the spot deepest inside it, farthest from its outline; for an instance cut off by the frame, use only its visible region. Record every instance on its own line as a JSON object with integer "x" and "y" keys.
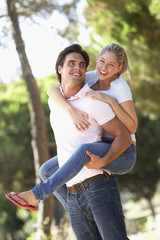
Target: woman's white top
{"x": 119, "y": 90}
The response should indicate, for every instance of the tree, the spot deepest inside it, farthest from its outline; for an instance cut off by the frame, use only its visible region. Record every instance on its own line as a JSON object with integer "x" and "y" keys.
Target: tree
{"x": 38, "y": 129}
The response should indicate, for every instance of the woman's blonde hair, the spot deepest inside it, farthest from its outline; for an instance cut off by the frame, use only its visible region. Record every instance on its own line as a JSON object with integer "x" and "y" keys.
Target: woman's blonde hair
{"x": 121, "y": 55}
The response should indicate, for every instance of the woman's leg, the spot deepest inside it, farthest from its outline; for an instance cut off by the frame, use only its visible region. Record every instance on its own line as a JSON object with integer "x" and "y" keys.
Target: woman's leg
{"x": 75, "y": 164}
{"x": 124, "y": 163}
{"x": 48, "y": 169}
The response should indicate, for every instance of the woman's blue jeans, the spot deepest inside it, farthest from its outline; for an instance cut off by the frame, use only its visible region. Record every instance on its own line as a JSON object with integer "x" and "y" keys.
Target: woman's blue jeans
{"x": 55, "y": 177}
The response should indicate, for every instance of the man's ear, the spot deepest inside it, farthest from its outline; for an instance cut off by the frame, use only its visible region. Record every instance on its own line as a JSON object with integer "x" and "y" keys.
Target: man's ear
{"x": 59, "y": 69}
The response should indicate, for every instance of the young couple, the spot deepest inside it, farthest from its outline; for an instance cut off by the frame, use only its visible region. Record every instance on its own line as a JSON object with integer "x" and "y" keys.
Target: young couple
{"x": 94, "y": 121}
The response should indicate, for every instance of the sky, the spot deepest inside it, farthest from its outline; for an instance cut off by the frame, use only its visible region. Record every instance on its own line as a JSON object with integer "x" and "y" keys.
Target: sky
{"x": 42, "y": 46}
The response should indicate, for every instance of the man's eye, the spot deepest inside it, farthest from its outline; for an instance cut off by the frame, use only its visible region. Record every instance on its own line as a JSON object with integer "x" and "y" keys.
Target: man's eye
{"x": 82, "y": 65}
{"x": 71, "y": 63}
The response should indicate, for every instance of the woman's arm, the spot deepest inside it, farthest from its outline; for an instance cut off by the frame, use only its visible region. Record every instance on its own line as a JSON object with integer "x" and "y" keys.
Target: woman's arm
{"x": 125, "y": 111}
{"x": 78, "y": 117}
{"x": 120, "y": 143}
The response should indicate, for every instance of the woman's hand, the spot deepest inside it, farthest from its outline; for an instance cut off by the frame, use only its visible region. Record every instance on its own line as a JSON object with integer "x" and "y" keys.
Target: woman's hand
{"x": 95, "y": 95}
{"x": 79, "y": 119}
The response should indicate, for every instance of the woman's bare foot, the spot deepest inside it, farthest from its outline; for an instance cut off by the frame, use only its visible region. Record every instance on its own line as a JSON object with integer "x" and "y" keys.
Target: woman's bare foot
{"x": 28, "y": 196}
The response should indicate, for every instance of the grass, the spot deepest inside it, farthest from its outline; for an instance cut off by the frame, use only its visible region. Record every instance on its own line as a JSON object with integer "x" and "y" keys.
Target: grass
{"x": 148, "y": 227}
{"x": 148, "y": 235}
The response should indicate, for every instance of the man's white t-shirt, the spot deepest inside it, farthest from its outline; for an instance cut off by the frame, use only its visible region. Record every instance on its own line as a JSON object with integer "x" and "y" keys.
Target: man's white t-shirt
{"x": 119, "y": 90}
{"x": 68, "y": 138}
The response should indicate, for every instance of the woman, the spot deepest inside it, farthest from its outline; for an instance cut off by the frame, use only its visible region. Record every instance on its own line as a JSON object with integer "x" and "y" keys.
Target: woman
{"x": 109, "y": 87}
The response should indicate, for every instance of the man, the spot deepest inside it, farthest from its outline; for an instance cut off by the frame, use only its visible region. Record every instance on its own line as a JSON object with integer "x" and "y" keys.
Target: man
{"x": 88, "y": 209}
{"x": 93, "y": 202}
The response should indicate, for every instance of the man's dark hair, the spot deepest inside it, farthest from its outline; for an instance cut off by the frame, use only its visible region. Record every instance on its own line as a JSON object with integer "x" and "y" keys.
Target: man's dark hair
{"x": 72, "y": 48}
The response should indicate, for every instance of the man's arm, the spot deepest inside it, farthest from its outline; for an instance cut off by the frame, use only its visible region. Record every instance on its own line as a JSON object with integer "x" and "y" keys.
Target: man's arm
{"x": 120, "y": 143}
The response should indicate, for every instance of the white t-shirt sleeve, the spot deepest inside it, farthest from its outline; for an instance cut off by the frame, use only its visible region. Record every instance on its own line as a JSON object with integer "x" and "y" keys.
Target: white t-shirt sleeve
{"x": 123, "y": 92}
{"x": 101, "y": 112}
{"x": 91, "y": 77}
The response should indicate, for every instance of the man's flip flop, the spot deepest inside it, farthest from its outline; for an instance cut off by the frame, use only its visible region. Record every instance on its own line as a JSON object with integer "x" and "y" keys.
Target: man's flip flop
{"x": 27, "y": 206}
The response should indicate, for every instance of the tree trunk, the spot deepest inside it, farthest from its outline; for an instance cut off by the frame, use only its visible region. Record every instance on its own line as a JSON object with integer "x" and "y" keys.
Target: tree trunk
{"x": 37, "y": 118}
{"x": 152, "y": 208}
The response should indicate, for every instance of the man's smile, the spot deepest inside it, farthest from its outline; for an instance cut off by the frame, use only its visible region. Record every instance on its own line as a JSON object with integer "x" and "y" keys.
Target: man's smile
{"x": 76, "y": 74}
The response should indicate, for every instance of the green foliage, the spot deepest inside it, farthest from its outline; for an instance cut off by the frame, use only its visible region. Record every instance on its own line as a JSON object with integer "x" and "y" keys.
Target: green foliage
{"x": 44, "y": 84}
{"x": 136, "y": 26}
{"x": 141, "y": 223}
{"x": 15, "y": 131}
{"x": 16, "y": 159}
{"x": 143, "y": 179}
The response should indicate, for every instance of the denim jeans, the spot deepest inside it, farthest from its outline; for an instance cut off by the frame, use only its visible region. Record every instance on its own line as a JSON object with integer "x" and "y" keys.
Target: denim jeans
{"x": 75, "y": 163}
{"x": 96, "y": 212}
{"x": 47, "y": 170}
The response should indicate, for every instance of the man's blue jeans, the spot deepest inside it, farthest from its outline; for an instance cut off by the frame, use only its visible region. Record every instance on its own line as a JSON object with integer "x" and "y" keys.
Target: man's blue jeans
{"x": 55, "y": 180}
{"x": 104, "y": 199}
{"x": 96, "y": 212}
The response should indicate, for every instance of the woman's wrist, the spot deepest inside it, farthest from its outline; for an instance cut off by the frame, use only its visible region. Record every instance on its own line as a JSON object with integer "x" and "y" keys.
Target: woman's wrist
{"x": 70, "y": 109}
{"x": 110, "y": 100}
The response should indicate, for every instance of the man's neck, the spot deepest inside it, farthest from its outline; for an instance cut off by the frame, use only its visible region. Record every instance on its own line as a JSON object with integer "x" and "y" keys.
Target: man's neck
{"x": 70, "y": 90}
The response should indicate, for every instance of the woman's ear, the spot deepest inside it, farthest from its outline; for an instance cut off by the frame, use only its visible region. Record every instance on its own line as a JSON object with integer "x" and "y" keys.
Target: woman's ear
{"x": 119, "y": 68}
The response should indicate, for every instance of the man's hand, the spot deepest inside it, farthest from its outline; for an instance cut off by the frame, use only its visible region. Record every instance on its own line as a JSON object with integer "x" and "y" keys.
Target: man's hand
{"x": 95, "y": 162}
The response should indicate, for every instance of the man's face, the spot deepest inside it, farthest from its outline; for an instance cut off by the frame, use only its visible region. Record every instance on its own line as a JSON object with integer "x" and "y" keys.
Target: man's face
{"x": 73, "y": 69}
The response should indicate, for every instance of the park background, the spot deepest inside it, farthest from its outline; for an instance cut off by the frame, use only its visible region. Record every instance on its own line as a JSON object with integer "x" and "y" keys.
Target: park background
{"x": 32, "y": 35}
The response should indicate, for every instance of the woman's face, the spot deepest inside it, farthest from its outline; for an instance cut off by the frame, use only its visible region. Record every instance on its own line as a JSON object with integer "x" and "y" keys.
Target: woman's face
{"x": 107, "y": 66}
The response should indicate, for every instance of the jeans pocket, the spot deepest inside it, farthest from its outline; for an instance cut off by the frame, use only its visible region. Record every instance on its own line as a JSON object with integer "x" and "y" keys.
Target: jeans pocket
{"x": 97, "y": 186}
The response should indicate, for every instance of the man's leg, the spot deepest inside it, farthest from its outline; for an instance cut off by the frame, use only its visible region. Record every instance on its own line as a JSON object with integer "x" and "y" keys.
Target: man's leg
{"x": 105, "y": 204}
{"x": 47, "y": 170}
{"x": 81, "y": 218}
